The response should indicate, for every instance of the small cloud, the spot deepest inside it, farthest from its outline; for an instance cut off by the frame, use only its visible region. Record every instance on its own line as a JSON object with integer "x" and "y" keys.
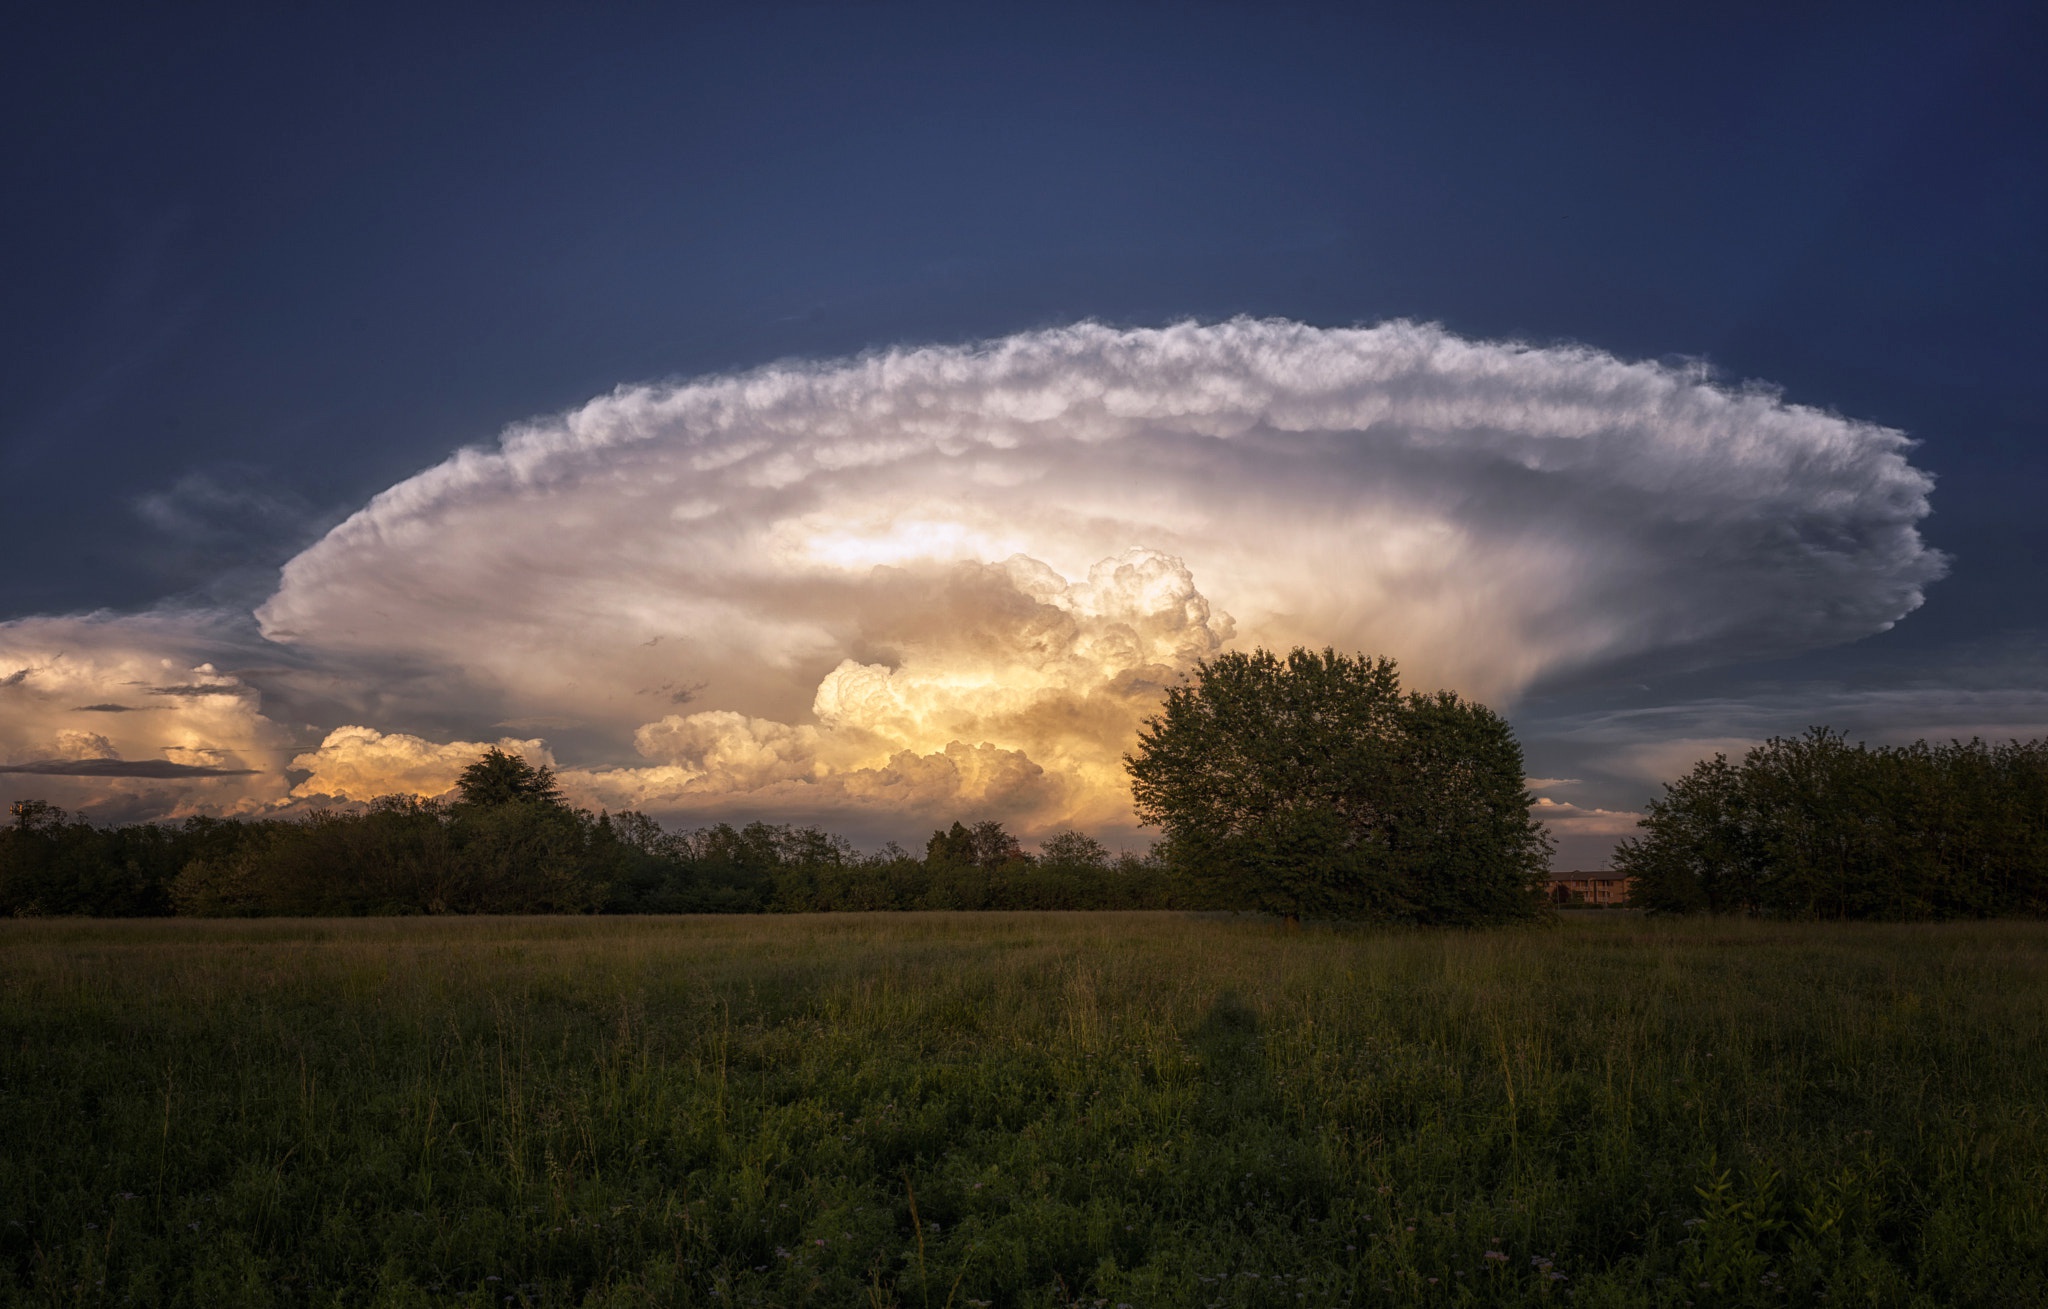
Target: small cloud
{"x": 89, "y": 745}
{"x": 200, "y": 690}
{"x": 153, "y": 768}
{"x": 110, "y": 709}
{"x": 227, "y": 508}
{"x": 16, "y": 678}
{"x": 1548, "y": 783}
{"x": 1580, "y": 820}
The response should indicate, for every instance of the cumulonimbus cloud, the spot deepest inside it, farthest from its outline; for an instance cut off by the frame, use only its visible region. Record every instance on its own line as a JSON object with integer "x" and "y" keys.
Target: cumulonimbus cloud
{"x": 956, "y": 577}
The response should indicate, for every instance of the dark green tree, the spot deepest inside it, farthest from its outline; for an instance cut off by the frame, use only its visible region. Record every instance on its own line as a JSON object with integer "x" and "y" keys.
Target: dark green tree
{"x": 1310, "y": 786}
{"x": 499, "y": 778}
{"x": 985, "y": 845}
{"x": 1814, "y": 827}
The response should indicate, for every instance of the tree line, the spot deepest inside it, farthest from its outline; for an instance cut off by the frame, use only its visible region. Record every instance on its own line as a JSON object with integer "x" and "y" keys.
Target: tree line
{"x": 1813, "y": 827}
{"x": 1308, "y": 785}
{"x": 508, "y": 843}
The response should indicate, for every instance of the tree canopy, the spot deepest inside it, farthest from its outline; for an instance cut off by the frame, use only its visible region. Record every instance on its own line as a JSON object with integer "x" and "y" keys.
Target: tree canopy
{"x": 1813, "y": 827}
{"x": 510, "y": 846}
{"x": 1311, "y": 785}
{"x": 499, "y": 778}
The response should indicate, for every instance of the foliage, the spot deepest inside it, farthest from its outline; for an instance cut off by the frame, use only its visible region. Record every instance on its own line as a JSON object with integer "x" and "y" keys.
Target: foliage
{"x": 533, "y": 853}
{"x": 1812, "y": 827}
{"x": 1312, "y": 786}
{"x": 52, "y": 863}
{"x": 984, "y": 845}
{"x": 498, "y": 778}
{"x": 1021, "y": 1111}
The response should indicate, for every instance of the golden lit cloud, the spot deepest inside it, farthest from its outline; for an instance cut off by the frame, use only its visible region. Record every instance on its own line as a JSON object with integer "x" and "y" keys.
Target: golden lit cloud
{"x": 361, "y": 763}
{"x": 936, "y": 582}
{"x": 167, "y": 731}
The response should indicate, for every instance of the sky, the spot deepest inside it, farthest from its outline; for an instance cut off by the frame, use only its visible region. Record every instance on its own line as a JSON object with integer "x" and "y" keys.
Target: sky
{"x": 858, "y": 414}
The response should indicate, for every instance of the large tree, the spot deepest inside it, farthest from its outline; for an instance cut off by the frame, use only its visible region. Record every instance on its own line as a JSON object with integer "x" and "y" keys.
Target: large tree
{"x": 1311, "y": 785}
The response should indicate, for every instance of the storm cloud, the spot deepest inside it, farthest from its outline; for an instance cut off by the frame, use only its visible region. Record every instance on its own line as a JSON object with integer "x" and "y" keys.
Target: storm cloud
{"x": 941, "y": 580}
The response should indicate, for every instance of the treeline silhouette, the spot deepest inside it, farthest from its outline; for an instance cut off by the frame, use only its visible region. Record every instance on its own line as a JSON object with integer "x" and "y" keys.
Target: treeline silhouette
{"x": 1805, "y": 827}
{"x": 1812, "y": 827}
{"x": 508, "y": 843}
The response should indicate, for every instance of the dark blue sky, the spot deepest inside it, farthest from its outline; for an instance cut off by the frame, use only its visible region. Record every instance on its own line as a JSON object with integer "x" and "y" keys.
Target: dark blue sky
{"x": 314, "y": 253}
{"x": 260, "y": 266}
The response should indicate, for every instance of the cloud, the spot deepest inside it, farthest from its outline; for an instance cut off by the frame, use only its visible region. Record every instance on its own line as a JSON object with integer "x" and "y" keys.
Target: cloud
{"x": 63, "y": 724}
{"x": 959, "y": 576}
{"x": 361, "y": 763}
{"x": 150, "y": 768}
{"x": 1567, "y": 819}
{"x": 224, "y": 530}
{"x": 1492, "y": 514}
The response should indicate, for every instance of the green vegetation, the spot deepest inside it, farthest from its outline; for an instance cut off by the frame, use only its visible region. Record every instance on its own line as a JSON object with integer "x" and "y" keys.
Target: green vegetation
{"x": 522, "y": 854}
{"x": 1038, "y": 1110}
{"x": 1812, "y": 827}
{"x": 1310, "y": 786}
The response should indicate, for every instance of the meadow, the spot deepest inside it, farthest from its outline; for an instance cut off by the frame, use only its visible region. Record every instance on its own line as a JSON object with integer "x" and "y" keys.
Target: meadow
{"x": 1102, "y": 1110}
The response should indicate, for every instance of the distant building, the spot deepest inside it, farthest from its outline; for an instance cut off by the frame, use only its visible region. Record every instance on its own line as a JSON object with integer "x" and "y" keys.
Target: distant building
{"x": 1599, "y": 890}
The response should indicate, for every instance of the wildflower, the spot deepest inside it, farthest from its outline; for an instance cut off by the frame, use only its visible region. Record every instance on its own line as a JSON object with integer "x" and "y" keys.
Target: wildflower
{"x": 1496, "y": 1256}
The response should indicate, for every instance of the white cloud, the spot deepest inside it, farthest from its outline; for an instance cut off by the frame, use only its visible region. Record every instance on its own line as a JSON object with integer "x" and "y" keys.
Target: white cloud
{"x": 959, "y": 576}
{"x": 361, "y": 763}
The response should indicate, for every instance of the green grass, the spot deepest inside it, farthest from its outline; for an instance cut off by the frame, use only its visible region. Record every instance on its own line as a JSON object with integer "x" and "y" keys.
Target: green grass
{"x": 1096, "y": 1109}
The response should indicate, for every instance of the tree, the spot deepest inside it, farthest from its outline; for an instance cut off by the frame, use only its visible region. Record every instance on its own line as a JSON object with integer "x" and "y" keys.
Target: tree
{"x": 499, "y": 778}
{"x": 1076, "y": 850}
{"x": 985, "y": 845}
{"x": 1312, "y": 786}
{"x": 1813, "y": 827}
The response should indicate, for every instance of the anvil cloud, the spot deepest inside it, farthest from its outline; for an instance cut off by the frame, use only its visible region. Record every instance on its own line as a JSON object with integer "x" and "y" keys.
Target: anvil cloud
{"x": 948, "y": 581}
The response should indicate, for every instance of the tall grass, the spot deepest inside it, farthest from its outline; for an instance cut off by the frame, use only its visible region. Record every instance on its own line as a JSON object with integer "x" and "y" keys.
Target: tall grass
{"x": 1110, "y": 1109}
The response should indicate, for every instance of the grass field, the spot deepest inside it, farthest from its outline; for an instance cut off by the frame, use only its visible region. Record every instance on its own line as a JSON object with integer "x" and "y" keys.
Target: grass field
{"x": 1095, "y": 1109}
